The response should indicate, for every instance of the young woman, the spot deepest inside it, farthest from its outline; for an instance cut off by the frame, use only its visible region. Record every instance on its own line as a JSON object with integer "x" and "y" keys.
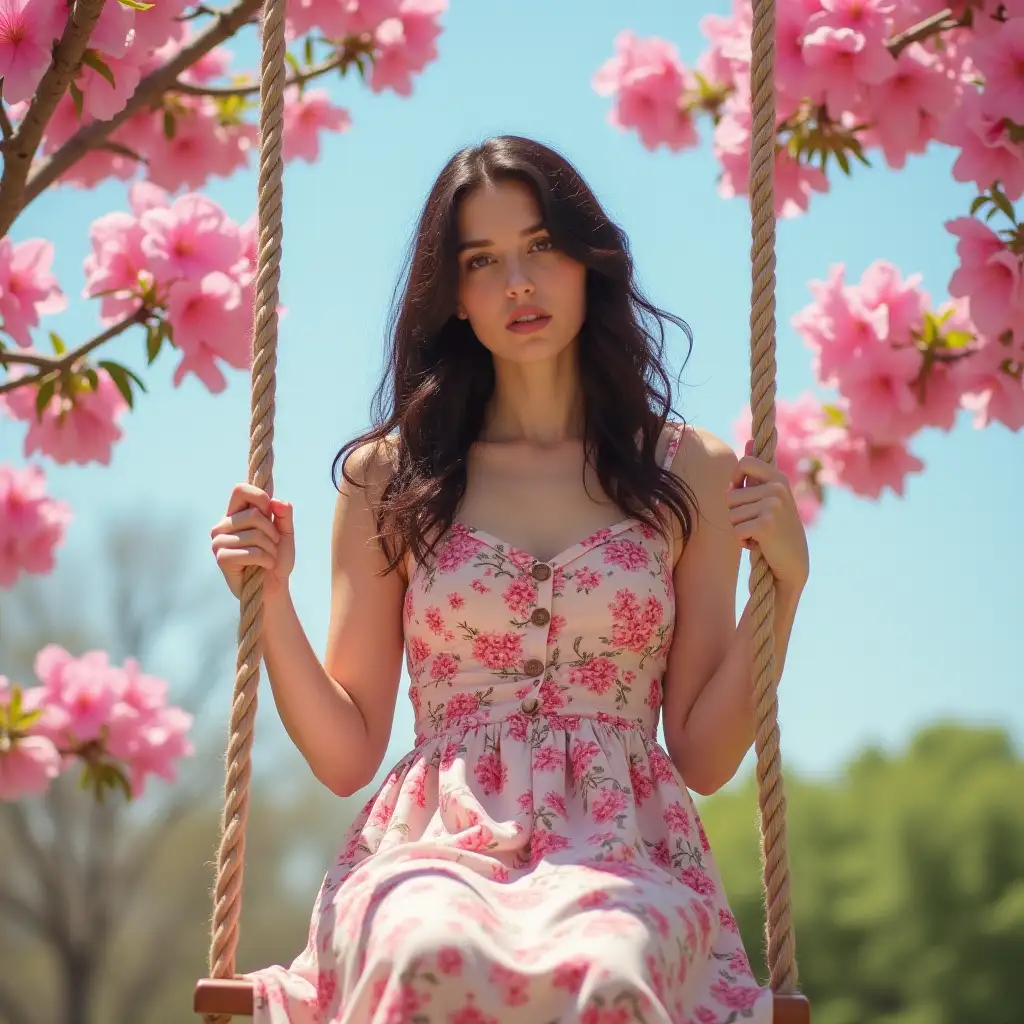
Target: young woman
{"x": 558, "y": 561}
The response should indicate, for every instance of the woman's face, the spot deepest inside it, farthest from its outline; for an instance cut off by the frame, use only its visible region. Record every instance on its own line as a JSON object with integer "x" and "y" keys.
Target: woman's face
{"x": 524, "y": 300}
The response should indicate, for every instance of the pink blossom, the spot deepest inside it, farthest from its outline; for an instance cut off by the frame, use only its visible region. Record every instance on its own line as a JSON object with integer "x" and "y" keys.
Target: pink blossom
{"x": 988, "y": 153}
{"x": 79, "y": 430}
{"x": 991, "y": 383}
{"x": 27, "y": 288}
{"x": 649, "y": 83}
{"x": 28, "y": 29}
{"x": 854, "y": 461}
{"x": 305, "y": 116}
{"x": 406, "y": 44}
{"x": 83, "y": 692}
{"x": 27, "y": 766}
{"x": 114, "y": 32}
{"x": 102, "y": 100}
{"x": 1000, "y": 59}
{"x": 189, "y": 238}
{"x": 905, "y": 111}
{"x": 845, "y": 45}
{"x": 32, "y": 524}
{"x": 211, "y": 322}
{"x": 729, "y": 53}
{"x": 989, "y": 277}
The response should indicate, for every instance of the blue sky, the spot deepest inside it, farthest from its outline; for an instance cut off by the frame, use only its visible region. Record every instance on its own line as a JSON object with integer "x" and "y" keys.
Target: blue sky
{"x": 911, "y": 611}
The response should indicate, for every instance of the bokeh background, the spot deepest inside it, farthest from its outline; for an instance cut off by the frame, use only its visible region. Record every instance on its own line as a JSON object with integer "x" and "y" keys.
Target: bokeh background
{"x": 903, "y": 701}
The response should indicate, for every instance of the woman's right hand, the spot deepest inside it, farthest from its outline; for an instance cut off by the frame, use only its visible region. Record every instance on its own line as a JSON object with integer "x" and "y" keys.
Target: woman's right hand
{"x": 256, "y": 530}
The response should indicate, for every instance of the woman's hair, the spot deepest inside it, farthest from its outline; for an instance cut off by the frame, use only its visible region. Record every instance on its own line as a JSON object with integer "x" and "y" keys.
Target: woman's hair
{"x": 439, "y": 378}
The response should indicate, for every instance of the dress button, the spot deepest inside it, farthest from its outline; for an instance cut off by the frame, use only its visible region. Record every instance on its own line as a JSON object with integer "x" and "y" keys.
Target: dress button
{"x": 534, "y": 667}
{"x": 541, "y": 572}
{"x": 530, "y": 706}
{"x": 540, "y": 617}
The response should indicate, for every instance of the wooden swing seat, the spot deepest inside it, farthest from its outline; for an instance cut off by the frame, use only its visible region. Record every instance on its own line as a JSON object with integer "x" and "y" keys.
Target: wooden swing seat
{"x": 234, "y": 997}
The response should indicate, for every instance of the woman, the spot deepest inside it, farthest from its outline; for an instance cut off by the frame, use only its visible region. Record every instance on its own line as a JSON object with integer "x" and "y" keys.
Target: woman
{"x": 558, "y": 562}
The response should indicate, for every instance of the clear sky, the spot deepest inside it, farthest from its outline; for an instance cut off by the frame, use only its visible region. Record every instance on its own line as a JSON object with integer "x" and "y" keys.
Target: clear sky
{"x": 913, "y": 606}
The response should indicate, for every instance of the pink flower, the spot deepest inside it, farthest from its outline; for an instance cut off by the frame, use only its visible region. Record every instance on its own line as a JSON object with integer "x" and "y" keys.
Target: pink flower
{"x": 905, "y": 110}
{"x": 305, "y": 116}
{"x": 498, "y": 650}
{"x": 634, "y": 624}
{"x": 649, "y": 83}
{"x": 856, "y": 462}
{"x": 989, "y": 385}
{"x": 626, "y": 554}
{"x": 598, "y": 675}
{"x": 27, "y": 288}
{"x": 989, "y": 277}
{"x": 189, "y": 239}
{"x": 28, "y": 29}
{"x": 406, "y": 44}
{"x": 608, "y": 805}
{"x": 32, "y": 524}
{"x": 83, "y": 691}
{"x": 102, "y": 100}
{"x": 113, "y": 32}
{"x": 988, "y": 153}
{"x": 79, "y": 430}
{"x": 1000, "y": 58}
{"x": 211, "y": 322}
{"x": 491, "y": 773}
{"x": 845, "y": 45}
{"x": 27, "y": 766}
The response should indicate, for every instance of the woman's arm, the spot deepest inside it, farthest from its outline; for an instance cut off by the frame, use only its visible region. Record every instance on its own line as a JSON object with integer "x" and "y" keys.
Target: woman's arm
{"x": 340, "y": 712}
{"x": 709, "y": 711}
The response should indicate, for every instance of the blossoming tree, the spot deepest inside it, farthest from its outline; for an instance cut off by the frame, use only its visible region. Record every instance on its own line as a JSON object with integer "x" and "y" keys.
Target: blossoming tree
{"x": 142, "y": 92}
{"x": 860, "y": 78}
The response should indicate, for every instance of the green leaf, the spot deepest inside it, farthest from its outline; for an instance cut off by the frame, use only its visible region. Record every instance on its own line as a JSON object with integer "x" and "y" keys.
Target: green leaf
{"x": 834, "y": 416}
{"x": 44, "y": 394}
{"x": 135, "y": 5}
{"x": 120, "y": 376}
{"x": 77, "y": 98}
{"x": 1004, "y": 204}
{"x": 170, "y": 126}
{"x": 958, "y": 339}
{"x": 308, "y": 54}
{"x": 293, "y": 62}
{"x": 93, "y": 60}
{"x": 92, "y": 377}
{"x": 58, "y": 345}
{"x": 978, "y": 203}
{"x": 154, "y": 341}
{"x": 844, "y": 162}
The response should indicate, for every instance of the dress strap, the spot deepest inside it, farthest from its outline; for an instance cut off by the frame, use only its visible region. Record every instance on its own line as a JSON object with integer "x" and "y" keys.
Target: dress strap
{"x": 672, "y": 436}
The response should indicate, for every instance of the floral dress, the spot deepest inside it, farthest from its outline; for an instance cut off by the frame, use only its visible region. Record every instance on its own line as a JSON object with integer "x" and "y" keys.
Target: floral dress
{"x": 536, "y": 858}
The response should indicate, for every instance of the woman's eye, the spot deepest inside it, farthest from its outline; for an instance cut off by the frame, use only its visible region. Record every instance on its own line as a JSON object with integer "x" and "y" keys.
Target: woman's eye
{"x": 543, "y": 244}
{"x": 477, "y": 262}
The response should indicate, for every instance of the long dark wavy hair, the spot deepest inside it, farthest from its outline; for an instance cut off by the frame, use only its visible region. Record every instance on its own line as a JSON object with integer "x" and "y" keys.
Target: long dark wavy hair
{"x": 439, "y": 378}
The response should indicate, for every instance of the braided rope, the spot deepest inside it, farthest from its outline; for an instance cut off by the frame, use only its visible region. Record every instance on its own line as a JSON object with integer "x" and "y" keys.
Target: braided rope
{"x": 771, "y": 796}
{"x": 227, "y": 896}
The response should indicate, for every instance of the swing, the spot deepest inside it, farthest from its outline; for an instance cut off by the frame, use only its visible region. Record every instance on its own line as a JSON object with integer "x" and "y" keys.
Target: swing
{"x": 224, "y": 995}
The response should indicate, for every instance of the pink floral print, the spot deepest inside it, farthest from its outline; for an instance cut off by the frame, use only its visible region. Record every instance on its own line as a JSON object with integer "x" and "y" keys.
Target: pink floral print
{"x": 536, "y": 857}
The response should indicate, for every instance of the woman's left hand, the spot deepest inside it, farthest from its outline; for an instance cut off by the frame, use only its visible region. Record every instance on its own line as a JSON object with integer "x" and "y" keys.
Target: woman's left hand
{"x": 763, "y": 511}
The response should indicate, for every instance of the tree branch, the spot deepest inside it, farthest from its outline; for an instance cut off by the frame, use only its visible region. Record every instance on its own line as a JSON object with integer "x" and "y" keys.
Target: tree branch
{"x": 341, "y": 58}
{"x": 5, "y": 121}
{"x": 48, "y": 364}
{"x": 21, "y": 147}
{"x": 943, "y": 21}
{"x": 148, "y": 93}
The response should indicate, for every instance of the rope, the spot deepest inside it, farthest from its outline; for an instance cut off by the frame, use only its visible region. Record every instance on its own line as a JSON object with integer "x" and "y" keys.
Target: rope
{"x": 227, "y": 895}
{"x": 771, "y": 797}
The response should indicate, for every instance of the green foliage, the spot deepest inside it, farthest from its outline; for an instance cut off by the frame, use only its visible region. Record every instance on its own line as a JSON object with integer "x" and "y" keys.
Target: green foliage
{"x": 908, "y": 881}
